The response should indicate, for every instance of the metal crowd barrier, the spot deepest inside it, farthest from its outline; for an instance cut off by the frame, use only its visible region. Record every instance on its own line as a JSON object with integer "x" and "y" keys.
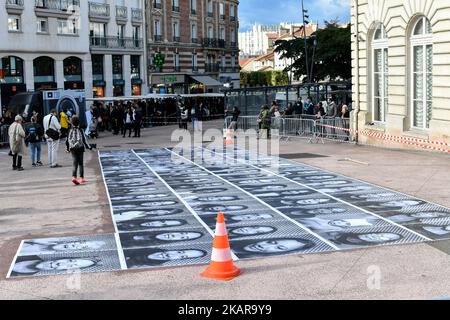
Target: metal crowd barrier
{"x": 311, "y": 128}
{"x": 4, "y": 138}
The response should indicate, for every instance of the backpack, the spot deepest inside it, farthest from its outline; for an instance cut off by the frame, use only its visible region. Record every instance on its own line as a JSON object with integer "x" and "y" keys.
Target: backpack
{"x": 75, "y": 139}
{"x": 33, "y": 135}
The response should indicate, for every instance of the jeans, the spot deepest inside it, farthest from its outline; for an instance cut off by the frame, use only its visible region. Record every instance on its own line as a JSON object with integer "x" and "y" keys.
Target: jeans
{"x": 35, "y": 151}
{"x": 78, "y": 159}
{"x": 52, "y": 152}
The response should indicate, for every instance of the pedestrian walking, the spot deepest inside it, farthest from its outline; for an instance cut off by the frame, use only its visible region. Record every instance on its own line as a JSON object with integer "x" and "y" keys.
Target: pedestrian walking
{"x": 52, "y": 135}
{"x": 17, "y": 142}
{"x": 128, "y": 122}
{"x": 76, "y": 144}
{"x": 234, "y": 118}
{"x": 184, "y": 118}
{"x": 265, "y": 120}
{"x": 137, "y": 122}
{"x": 194, "y": 116}
{"x": 33, "y": 138}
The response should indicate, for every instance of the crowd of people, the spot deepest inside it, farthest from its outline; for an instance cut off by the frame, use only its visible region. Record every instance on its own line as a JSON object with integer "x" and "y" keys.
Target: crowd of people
{"x": 321, "y": 109}
{"x": 125, "y": 117}
{"x": 270, "y": 117}
{"x": 54, "y": 130}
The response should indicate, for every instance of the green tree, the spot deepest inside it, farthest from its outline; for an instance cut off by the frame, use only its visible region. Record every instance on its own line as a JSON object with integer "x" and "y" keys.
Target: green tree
{"x": 332, "y": 55}
{"x": 264, "y": 78}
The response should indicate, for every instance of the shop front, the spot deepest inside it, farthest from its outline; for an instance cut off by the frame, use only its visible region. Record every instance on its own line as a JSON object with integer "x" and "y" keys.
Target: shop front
{"x": 169, "y": 84}
{"x": 118, "y": 87}
{"x": 136, "y": 87}
{"x": 73, "y": 74}
{"x": 204, "y": 84}
{"x": 11, "y": 78}
{"x": 98, "y": 88}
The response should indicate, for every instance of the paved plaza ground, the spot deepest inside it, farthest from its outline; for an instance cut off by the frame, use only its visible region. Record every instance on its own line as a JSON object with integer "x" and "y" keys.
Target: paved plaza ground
{"x": 42, "y": 203}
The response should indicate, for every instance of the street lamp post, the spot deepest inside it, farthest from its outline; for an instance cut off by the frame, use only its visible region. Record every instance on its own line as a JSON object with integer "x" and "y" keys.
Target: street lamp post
{"x": 312, "y": 60}
{"x": 305, "y": 41}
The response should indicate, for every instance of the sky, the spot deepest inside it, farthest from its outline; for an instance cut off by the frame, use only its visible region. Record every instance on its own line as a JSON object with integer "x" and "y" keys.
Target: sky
{"x": 277, "y": 11}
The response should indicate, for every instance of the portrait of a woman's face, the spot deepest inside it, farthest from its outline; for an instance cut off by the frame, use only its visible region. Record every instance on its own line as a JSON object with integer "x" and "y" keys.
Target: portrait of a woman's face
{"x": 171, "y": 255}
{"x": 142, "y": 225}
{"x": 267, "y": 247}
{"x": 252, "y": 230}
{"x": 251, "y": 217}
{"x": 149, "y": 257}
{"x": 366, "y": 239}
{"x": 216, "y": 208}
{"x": 215, "y": 198}
{"x": 37, "y": 265}
{"x": 65, "y": 264}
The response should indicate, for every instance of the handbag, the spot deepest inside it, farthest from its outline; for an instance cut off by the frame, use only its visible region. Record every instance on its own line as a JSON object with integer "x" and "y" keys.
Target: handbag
{"x": 52, "y": 133}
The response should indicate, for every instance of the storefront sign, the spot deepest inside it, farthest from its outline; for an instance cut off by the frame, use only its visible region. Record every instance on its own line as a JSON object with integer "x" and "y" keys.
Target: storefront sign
{"x": 118, "y": 82}
{"x": 168, "y": 79}
{"x": 136, "y": 81}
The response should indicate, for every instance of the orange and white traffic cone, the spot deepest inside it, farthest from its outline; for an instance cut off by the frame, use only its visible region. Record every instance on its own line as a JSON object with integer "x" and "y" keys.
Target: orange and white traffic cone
{"x": 221, "y": 267}
{"x": 228, "y": 140}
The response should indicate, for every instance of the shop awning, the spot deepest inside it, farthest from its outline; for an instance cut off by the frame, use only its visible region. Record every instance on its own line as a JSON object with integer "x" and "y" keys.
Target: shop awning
{"x": 207, "y": 81}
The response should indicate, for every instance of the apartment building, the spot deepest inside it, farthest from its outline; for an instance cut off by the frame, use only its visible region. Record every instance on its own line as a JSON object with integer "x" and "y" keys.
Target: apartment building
{"x": 43, "y": 46}
{"x": 116, "y": 40}
{"x": 72, "y": 44}
{"x": 198, "y": 42}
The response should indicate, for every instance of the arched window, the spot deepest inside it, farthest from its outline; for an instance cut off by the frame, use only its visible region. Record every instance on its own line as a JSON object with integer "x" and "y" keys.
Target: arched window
{"x": 422, "y": 73}
{"x": 12, "y": 69}
{"x": 44, "y": 70}
{"x": 73, "y": 69}
{"x": 380, "y": 74}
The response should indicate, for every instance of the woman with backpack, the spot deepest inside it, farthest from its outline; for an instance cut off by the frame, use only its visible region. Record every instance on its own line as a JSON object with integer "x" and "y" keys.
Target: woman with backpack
{"x": 76, "y": 144}
{"x": 17, "y": 142}
{"x": 34, "y": 134}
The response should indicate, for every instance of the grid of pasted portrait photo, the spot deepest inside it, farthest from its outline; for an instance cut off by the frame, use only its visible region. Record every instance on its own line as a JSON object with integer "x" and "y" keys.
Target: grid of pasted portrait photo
{"x": 66, "y": 255}
{"x": 164, "y": 204}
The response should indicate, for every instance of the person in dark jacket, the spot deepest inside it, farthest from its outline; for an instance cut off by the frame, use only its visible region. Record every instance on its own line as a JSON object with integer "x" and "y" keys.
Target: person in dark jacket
{"x": 235, "y": 116}
{"x": 76, "y": 144}
{"x": 116, "y": 117}
{"x": 289, "y": 111}
{"x": 298, "y": 107}
{"x": 319, "y": 111}
{"x": 137, "y": 122}
{"x": 309, "y": 107}
{"x": 128, "y": 121}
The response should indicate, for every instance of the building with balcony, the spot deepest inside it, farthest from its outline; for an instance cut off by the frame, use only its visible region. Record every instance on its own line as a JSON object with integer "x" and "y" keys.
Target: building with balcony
{"x": 401, "y": 81}
{"x": 43, "y": 46}
{"x": 198, "y": 39}
{"x": 116, "y": 33}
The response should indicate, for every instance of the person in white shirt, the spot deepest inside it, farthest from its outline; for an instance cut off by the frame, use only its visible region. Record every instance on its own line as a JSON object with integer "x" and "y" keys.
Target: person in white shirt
{"x": 51, "y": 121}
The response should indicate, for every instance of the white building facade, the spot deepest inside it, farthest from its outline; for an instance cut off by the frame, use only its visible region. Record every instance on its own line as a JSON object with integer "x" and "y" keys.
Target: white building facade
{"x": 401, "y": 69}
{"x": 116, "y": 33}
{"x": 72, "y": 44}
{"x": 43, "y": 46}
{"x": 254, "y": 42}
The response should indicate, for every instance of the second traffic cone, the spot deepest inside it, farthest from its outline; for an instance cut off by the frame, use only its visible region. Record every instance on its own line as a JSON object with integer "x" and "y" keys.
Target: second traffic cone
{"x": 221, "y": 267}
{"x": 228, "y": 140}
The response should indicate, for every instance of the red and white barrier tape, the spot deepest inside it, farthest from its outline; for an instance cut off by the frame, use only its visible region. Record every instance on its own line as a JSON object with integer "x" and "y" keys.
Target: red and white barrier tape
{"x": 404, "y": 140}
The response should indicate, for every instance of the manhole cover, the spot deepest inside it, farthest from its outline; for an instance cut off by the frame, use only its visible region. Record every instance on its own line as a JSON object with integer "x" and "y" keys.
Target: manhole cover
{"x": 134, "y": 143}
{"x": 113, "y": 146}
{"x": 301, "y": 156}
